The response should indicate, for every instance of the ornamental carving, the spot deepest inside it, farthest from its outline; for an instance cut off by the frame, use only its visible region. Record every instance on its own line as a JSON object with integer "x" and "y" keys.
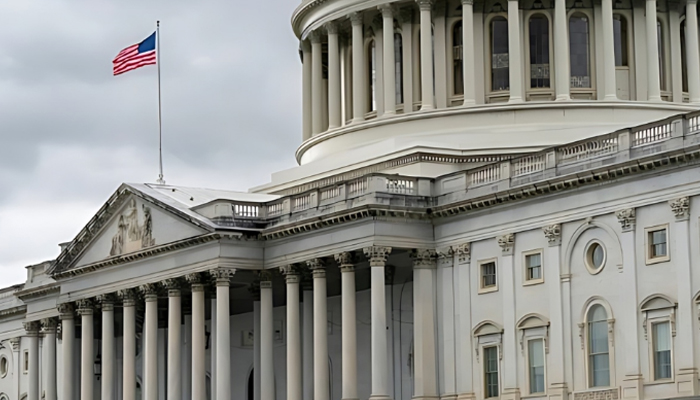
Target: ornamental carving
{"x": 553, "y": 234}
{"x": 131, "y": 234}
{"x": 377, "y": 255}
{"x": 106, "y": 301}
{"x": 425, "y": 4}
{"x": 423, "y": 258}
{"x": 289, "y": 270}
{"x": 331, "y": 28}
{"x": 85, "y": 306}
{"x": 149, "y": 290}
{"x": 464, "y": 253}
{"x": 506, "y": 243}
{"x": 345, "y": 261}
{"x": 222, "y": 275}
{"x": 445, "y": 255}
{"x": 65, "y": 310}
{"x": 32, "y": 327}
{"x": 14, "y": 342}
{"x": 356, "y": 18}
{"x": 49, "y": 325}
{"x": 387, "y": 10}
{"x": 128, "y": 297}
{"x": 680, "y": 208}
{"x": 626, "y": 218}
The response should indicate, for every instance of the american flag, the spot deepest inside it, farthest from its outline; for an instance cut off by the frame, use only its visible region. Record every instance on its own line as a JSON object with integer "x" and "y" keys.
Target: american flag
{"x": 136, "y": 56}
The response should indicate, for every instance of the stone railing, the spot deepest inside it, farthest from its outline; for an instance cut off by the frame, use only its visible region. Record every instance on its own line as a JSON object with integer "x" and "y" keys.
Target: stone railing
{"x": 678, "y": 132}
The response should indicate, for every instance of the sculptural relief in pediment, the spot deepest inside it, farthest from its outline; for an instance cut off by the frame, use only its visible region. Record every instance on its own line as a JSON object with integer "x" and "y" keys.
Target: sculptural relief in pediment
{"x": 134, "y": 230}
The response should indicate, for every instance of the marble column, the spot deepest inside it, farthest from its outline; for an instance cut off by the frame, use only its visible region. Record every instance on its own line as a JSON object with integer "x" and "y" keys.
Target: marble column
{"x": 424, "y": 264}
{"x": 49, "y": 325}
{"x": 468, "y": 54}
{"x": 426, "y": 54}
{"x": 349, "y": 321}
{"x": 562, "y": 71}
{"x": 389, "y": 60}
{"x": 150, "y": 342}
{"x": 212, "y": 342}
{"x": 128, "y": 297}
{"x": 174, "y": 369}
{"x": 446, "y": 322}
{"x": 509, "y": 387}
{"x": 87, "y": 350}
{"x": 66, "y": 315}
{"x": 267, "y": 368}
{"x": 515, "y": 63}
{"x": 32, "y": 337}
{"x": 308, "y": 335}
{"x": 294, "y": 364}
{"x": 377, "y": 257}
{"x": 109, "y": 378}
{"x": 609, "y": 51}
{"x": 653, "y": 80}
{"x": 406, "y": 16}
{"x": 333, "y": 76}
{"x": 316, "y": 83}
{"x": 692, "y": 50}
{"x": 223, "y": 332}
{"x": 321, "y": 375}
{"x": 199, "y": 377}
{"x": 464, "y": 345}
{"x": 358, "y": 68}
{"x": 306, "y": 89}
{"x": 255, "y": 289}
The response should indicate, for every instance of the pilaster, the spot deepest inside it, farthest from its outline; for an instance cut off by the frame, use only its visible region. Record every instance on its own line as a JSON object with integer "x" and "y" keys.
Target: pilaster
{"x": 510, "y": 388}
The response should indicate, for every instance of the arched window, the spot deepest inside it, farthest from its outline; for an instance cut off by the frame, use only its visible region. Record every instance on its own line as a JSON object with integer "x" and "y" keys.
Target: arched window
{"x": 398, "y": 68}
{"x": 598, "y": 350}
{"x": 684, "y": 65}
{"x": 457, "y": 63}
{"x": 579, "y": 51}
{"x": 539, "y": 51}
{"x": 660, "y": 42}
{"x": 620, "y": 40}
{"x": 500, "y": 79}
{"x": 372, "y": 76}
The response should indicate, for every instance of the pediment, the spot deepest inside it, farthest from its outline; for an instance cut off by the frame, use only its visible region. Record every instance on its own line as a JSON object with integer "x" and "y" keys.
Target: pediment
{"x": 128, "y": 223}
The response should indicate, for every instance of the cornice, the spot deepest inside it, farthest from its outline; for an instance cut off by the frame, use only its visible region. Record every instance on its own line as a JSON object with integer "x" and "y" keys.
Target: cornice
{"x": 38, "y": 291}
{"x": 13, "y": 311}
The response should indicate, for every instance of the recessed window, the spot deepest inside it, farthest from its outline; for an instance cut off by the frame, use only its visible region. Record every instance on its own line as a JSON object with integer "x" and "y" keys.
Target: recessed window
{"x": 533, "y": 268}
{"x": 500, "y": 77}
{"x": 579, "y": 51}
{"x": 488, "y": 280}
{"x": 620, "y": 40}
{"x": 3, "y": 366}
{"x": 25, "y": 357}
{"x": 539, "y": 51}
{"x": 657, "y": 244}
{"x": 662, "y": 350}
{"x": 595, "y": 257}
{"x": 598, "y": 350}
{"x": 491, "y": 372}
{"x": 535, "y": 355}
{"x": 457, "y": 63}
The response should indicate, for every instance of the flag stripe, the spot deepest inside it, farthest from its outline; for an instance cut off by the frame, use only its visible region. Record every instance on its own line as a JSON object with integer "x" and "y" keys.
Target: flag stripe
{"x": 133, "y": 64}
{"x": 135, "y": 56}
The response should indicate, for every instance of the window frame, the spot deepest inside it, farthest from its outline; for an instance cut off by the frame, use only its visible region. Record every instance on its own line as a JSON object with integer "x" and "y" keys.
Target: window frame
{"x": 488, "y": 334}
{"x": 25, "y": 361}
{"x": 585, "y": 343}
{"x": 592, "y": 91}
{"x": 484, "y": 364}
{"x": 488, "y": 289}
{"x": 454, "y": 96}
{"x": 649, "y": 258}
{"x": 526, "y": 280}
{"x": 491, "y": 95}
{"x": 4, "y": 360}
{"x": 528, "y": 364}
{"x": 539, "y": 92}
{"x": 656, "y": 309}
{"x": 652, "y": 322}
{"x": 588, "y": 257}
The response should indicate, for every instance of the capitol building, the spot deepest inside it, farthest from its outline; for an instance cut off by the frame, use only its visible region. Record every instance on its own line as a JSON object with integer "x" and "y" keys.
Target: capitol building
{"x": 495, "y": 199}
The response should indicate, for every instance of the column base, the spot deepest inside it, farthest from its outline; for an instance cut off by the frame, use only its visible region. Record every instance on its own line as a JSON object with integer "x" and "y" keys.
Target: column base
{"x": 558, "y": 391}
{"x": 350, "y": 398}
{"x": 611, "y": 97}
{"x": 469, "y": 103}
{"x": 563, "y": 97}
{"x": 466, "y": 396}
{"x": 426, "y": 397}
{"x": 655, "y": 99}
{"x": 632, "y": 387}
{"x": 517, "y": 99}
{"x": 510, "y": 394}
{"x": 379, "y": 397}
{"x": 452, "y": 396}
{"x": 426, "y": 107}
{"x": 687, "y": 382}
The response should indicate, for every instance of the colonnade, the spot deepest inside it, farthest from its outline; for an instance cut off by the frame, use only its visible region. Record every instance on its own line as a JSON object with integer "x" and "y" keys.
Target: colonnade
{"x": 85, "y": 311}
{"x": 316, "y": 103}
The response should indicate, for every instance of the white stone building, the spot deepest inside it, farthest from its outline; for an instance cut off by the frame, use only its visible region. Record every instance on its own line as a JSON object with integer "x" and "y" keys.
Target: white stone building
{"x": 507, "y": 207}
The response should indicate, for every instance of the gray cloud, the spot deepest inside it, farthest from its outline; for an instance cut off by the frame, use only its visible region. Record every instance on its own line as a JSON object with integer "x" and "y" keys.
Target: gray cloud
{"x": 70, "y": 132}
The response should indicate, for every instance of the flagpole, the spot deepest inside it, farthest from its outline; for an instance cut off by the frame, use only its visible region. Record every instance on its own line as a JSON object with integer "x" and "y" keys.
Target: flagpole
{"x": 160, "y": 181}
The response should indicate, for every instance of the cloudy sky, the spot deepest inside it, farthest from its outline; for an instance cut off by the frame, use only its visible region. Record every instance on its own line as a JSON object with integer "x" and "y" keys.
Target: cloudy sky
{"x": 71, "y": 133}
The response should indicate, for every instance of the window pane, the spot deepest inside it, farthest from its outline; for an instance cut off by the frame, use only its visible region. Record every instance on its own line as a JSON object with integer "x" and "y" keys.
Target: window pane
{"x": 598, "y": 256}
{"x": 534, "y": 266}
{"x": 457, "y": 53}
{"x": 491, "y": 371}
{"x": 398, "y": 68}
{"x": 598, "y": 337}
{"x": 579, "y": 49}
{"x": 662, "y": 350}
{"x": 658, "y": 243}
{"x": 539, "y": 52}
{"x": 597, "y": 313}
{"x": 684, "y": 65}
{"x": 488, "y": 275}
{"x": 620, "y": 34}
{"x": 499, "y": 54}
{"x": 659, "y": 40}
{"x": 372, "y": 76}
{"x": 600, "y": 370}
{"x": 536, "y": 360}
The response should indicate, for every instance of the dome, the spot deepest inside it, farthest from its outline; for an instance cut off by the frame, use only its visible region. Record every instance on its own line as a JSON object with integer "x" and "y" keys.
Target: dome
{"x": 492, "y": 77}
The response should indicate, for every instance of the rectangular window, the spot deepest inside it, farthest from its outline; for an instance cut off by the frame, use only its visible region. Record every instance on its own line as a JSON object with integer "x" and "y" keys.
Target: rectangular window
{"x": 533, "y": 267}
{"x": 662, "y": 350}
{"x": 535, "y": 353}
{"x": 599, "y": 361}
{"x": 491, "y": 372}
{"x": 488, "y": 275}
{"x": 25, "y": 366}
{"x": 657, "y": 244}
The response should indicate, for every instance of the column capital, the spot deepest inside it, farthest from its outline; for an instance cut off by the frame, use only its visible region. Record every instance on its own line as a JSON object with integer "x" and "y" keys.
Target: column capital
{"x": 680, "y": 208}
{"x": 66, "y": 311}
{"x": 291, "y": 274}
{"x": 467, "y": 2}
{"x": 265, "y": 275}
{"x": 49, "y": 325}
{"x": 85, "y": 306}
{"x": 331, "y": 27}
{"x": 626, "y": 218}
{"x": 128, "y": 297}
{"x": 265, "y": 284}
{"x": 507, "y": 242}
{"x": 464, "y": 253}
{"x": 305, "y": 46}
{"x": 254, "y": 290}
{"x": 106, "y": 301}
{"x": 425, "y": 5}
{"x": 423, "y": 258}
{"x": 222, "y": 275}
{"x": 388, "y": 10}
{"x": 356, "y": 18}
{"x": 318, "y": 270}
{"x": 315, "y": 37}
{"x": 345, "y": 261}
{"x": 173, "y": 286}
{"x": 553, "y": 234}
{"x": 149, "y": 291}
{"x": 445, "y": 255}
{"x": 14, "y": 342}
{"x": 377, "y": 255}
{"x": 691, "y": 2}
{"x": 32, "y": 328}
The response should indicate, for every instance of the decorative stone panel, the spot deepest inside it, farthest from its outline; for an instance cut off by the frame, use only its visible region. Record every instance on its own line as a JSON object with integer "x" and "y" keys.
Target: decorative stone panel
{"x": 606, "y": 394}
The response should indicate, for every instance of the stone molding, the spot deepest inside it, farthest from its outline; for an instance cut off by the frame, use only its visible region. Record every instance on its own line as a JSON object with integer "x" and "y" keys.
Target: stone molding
{"x": 387, "y": 10}
{"x": 38, "y": 291}
{"x": 627, "y": 219}
{"x": 467, "y": 2}
{"x": 315, "y": 37}
{"x": 680, "y": 208}
{"x": 66, "y": 311}
{"x": 377, "y": 255}
{"x": 265, "y": 285}
{"x": 424, "y": 258}
{"x": 291, "y": 274}
{"x": 464, "y": 253}
{"x": 507, "y": 243}
{"x": 331, "y": 28}
{"x": 553, "y": 234}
